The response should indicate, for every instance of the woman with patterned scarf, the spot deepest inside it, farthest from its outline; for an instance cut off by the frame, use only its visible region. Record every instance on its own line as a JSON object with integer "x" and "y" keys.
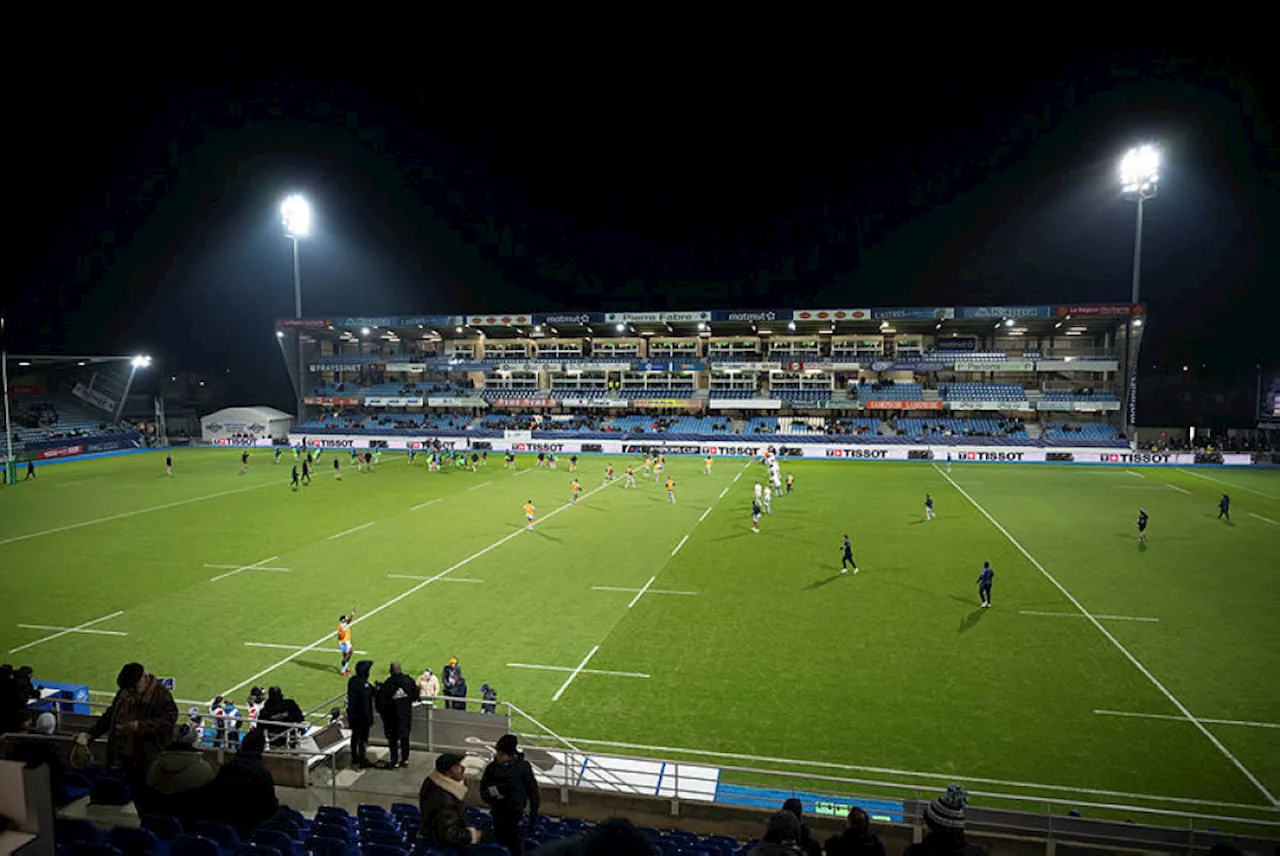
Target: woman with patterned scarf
{"x": 138, "y": 724}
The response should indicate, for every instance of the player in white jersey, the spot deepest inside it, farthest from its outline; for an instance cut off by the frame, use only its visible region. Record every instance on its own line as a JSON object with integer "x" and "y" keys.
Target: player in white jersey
{"x": 768, "y": 501}
{"x": 759, "y": 490}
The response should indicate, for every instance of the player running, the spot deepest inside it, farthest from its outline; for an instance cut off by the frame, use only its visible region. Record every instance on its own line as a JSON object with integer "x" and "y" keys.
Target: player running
{"x": 648, "y": 465}
{"x": 984, "y": 584}
{"x": 277, "y": 455}
{"x": 344, "y": 641}
{"x": 306, "y": 471}
{"x": 928, "y": 507}
{"x": 244, "y": 463}
{"x": 768, "y": 501}
{"x": 791, "y": 480}
{"x": 1142, "y": 526}
{"x": 671, "y": 490}
{"x": 706, "y": 465}
{"x": 337, "y": 470}
{"x": 657, "y": 469}
{"x": 759, "y": 491}
{"x": 528, "y": 515}
{"x": 573, "y": 463}
{"x": 608, "y": 474}
{"x": 948, "y": 462}
{"x": 630, "y": 480}
{"x": 575, "y": 491}
{"x": 509, "y": 462}
{"x": 755, "y": 515}
{"x": 294, "y": 483}
{"x": 846, "y": 560}
{"x": 168, "y": 465}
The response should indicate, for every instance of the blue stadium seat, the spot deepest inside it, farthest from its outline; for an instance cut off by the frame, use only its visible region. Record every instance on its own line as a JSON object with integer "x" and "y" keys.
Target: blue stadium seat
{"x": 193, "y": 845}
{"x": 135, "y": 840}
{"x": 67, "y": 830}
{"x": 94, "y": 848}
{"x": 256, "y": 850}
{"x": 221, "y": 833}
{"x": 278, "y": 840}
{"x": 164, "y": 826}
{"x": 326, "y": 846}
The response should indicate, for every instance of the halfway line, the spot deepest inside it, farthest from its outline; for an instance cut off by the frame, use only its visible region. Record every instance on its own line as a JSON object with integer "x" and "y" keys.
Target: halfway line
{"x": 704, "y": 514}
{"x": 1119, "y": 646}
{"x": 353, "y": 529}
{"x": 76, "y": 629}
{"x": 293, "y": 647}
{"x": 576, "y": 672}
{"x": 414, "y": 577}
{"x": 723, "y": 492}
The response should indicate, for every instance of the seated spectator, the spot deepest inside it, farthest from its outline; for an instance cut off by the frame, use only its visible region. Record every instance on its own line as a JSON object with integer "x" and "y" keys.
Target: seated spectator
{"x": 858, "y": 839}
{"x": 177, "y": 771}
{"x": 782, "y": 836}
{"x": 243, "y": 793}
{"x": 807, "y": 842}
{"x": 613, "y": 837}
{"x": 945, "y": 819}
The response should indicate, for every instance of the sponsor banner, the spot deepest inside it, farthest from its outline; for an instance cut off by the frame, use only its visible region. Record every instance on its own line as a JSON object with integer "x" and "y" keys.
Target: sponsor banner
{"x": 329, "y": 401}
{"x": 753, "y": 315}
{"x": 524, "y": 402}
{"x": 393, "y": 400}
{"x": 399, "y": 321}
{"x": 406, "y": 367}
{"x": 660, "y": 366}
{"x": 26, "y": 389}
{"x": 655, "y": 317}
{"x": 54, "y": 449}
{"x": 500, "y": 319}
{"x": 595, "y": 402}
{"x": 303, "y": 323}
{"x": 903, "y": 405}
{"x": 1074, "y": 365}
{"x": 956, "y": 343}
{"x": 745, "y": 404}
{"x": 529, "y": 366}
{"x": 914, "y": 314}
{"x": 60, "y": 452}
{"x": 1078, "y": 406}
{"x": 343, "y": 367}
{"x": 1099, "y": 310}
{"x": 92, "y": 396}
{"x": 518, "y": 436}
{"x": 903, "y": 366}
{"x": 454, "y": 401}
{"x": 464, "y": 366}
{"x": 1000, "y": 312}
{"x": 868, "y": 453}
{"x": 671, "y": 403}
{"x": 846, "y": 367}
{"x": 992, "y": 366}
{"x": 833, "y": 315}
{"x": 568, "y": 318}
{"x": 989, "y": 405}
{"x": 594, "y": 366}
{"x": 726, "y": 366}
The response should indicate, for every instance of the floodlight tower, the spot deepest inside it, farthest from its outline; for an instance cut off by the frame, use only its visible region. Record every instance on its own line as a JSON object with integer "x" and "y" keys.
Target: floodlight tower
{"x": 296, "y": 217}
{"x": 138, "y": 362}
{"x": 1139, "y": 181}
{"x": 9, "y": 466}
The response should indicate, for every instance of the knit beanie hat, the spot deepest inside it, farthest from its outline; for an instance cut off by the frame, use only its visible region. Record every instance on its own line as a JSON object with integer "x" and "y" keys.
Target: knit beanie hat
{"x": 947, "y": 811}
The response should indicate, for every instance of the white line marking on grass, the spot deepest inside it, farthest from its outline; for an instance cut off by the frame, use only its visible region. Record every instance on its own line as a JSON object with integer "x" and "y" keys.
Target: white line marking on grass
{"x": 737, "y": 476}
{"x": 72, "y": 629}
{"x": 576, "y": 672}
{"x": 414, "y": 590}
{"x": 234, "y": 567}
{"x": 295, "y": 647}
{"x": 1178, "y": 489}
{"x": 704, "y": 514}
{"x": 415, "y": 577}
{"x": 682, "y": 540}
{"x": 1135, "y": 486}
{"x": 121, "y": 516}
{"x": 76, "y": 629}
{"x": 639, "y": 594}
{"x": 353, "y": 529}
{"x": 255, "y": 566}
{"x": 425, "y": 504}
{"x": 1135, "y": 474}
{"x": 1082, "y": 615}
{"x": 1120, "y": 647}
{"x": 478, "y": 486}
{"x": 581, "y": 671}
{"x": 1172, "y": 718}
{"x": 634, "y": 590}
{"x": 1264, "y": 519}
{"x": 525, "y": 470}
{"x": 914, "y": 774}
{"x": 1206, "y": 478}
{"x": 723, "y": 492}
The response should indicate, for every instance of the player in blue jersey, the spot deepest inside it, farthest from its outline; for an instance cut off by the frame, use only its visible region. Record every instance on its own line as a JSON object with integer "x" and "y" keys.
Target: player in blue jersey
{"x": 1142, "y": 526}
{"x": 928, "y": 507}
{"x": 846, "y": 560}
{"x": 984, "y": 584}
{"x": 1224, "y": 507}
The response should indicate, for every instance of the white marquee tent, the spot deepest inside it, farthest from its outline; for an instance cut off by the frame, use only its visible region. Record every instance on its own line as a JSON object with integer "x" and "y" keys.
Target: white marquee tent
{"x": 245, "y": 426}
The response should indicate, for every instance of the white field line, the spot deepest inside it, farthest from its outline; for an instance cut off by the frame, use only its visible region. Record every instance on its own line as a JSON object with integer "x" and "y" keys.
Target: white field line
{"x": 1264, "y": 519}
{"x": 415, "y": 577}
{"x": 525, "y": 470}
{"x": 640, "y": 593}
{"x": 1172, "y": 718}
{"x": 915, "y": 774}
{"x": 1138, "y": 486}
{"x": 425, "y": 504}
{"x": 478, "y": 486}
{"x": 704, "y": 514}
{"x": 1135, "y": 474}
{"x": 685, "y": 538}
{"x": 1206, "y": 478}
{"x": 353, "y": 529}
{"x": 580, "y": 671}
{"x": 1082, "y": 615}
{"x": 73, "y": 630}
{"x": 252, "y": 567}
{"x": 414, "y": 590}
{"x": 1257, "y": 783}
{"x": 736, "y": 477}
{"x": 234, "y": 567}
{"x": 575, "y": 673}
{"x": 634, "y": 590}
{"x": 1178, "y": 489}
{"x": 294, "y": 647}
{"x": 723, "y": 492}
{"x": 124, "y": 514}
{"x": 60, "y": 633}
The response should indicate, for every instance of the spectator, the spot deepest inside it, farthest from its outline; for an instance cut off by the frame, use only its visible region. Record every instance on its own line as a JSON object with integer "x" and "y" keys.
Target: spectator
{"x": 613, "y": 837}
{"x": 395, "y": 702}
{"x": 178, "y": 770}
{"x": 13, "y": 710}
{"x": 39, "y": 750}
{"x": 945, "y": 819}
{"x": 428, "y": 688}
{"x": 807, "y": 842}
{"x": 360, "y": 712}
{"x": 858, "y": 839}
{"x": 280, "y": 709}
{"x": 451, "y": 672}
{"x": 459, "y": 692}
{"x": 444, "y": 814}
{"x": 507, "y": 786}
{"x": 138, "y": 723}
{"x": 782, "y": 836}
{"x": 243, "y": 794}
{"x": 490, "y": 696}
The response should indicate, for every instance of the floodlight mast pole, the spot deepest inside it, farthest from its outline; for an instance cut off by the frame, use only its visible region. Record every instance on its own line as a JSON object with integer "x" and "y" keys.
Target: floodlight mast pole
{"x": 297, "y": 313}
{"x": 4, "y": 380}
{"x": 1140, "y": 179}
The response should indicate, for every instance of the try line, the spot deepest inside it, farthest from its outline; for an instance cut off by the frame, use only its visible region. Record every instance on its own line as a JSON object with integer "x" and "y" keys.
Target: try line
{"x": 1257, "y": 783}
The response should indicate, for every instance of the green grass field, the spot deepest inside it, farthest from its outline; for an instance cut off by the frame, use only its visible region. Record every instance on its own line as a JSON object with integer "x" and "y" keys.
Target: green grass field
{"x": 894, "y": 674}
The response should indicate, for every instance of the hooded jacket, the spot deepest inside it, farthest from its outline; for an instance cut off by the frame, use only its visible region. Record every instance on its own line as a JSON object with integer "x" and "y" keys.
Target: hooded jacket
{"x": 444, "y": 815}
{"x": 179, "y": 768}
{"x": 360, "y": 695}
{"x": 155, "y": 713}
{"x": 510, "y": 785}
{"x": 428, "y": 685}
{"x": 396, "y": 696}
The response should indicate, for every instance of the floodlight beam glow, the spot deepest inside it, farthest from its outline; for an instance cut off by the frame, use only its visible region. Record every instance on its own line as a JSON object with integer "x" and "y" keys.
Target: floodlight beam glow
{"x": 296, "y": 215}
{"x": 1140, "y": 169}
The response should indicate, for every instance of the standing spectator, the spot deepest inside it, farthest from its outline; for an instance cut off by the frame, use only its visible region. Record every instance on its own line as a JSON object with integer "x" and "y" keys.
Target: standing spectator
{"x": 13, "y": 710}
{"x": 280, "y": 709}
{"x": 395, "y": 701}
{"x": 945, "y": 819}
{"x": 444, "y": 815}
{"x": 459, "y": 692}
{"x": 360, "y": 712}
{"x": 428, "y": 688}
{"x": 807, "y": 842}
{"x": 858, "y": 839}
{"x": 508, "y": 785}
{"x": 451, "y": 671}
{"x": 490, "y": 696}
{"x": 138, "y": 723}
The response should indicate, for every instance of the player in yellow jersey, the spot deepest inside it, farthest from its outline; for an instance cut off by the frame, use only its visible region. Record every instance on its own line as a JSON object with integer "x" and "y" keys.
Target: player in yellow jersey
{"x": 706, "y": 465}
{"x": 631, "y": 478}
{"x": 528, "y": 514}
{"x": 657, "y": 470}
{"x": 648, "y": 465}
{"x": 344, "y": 641}
{"x": 671, "y": 489}
{"x": 608, "y": 474}
{"x": 575, "y": 490}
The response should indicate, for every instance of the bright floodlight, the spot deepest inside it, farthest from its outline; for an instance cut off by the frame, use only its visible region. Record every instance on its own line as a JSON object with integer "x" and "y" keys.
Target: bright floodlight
{"x": 296, "y": 214}
{"x": 141, "y": 362}
{"x": 1140, "y": 171}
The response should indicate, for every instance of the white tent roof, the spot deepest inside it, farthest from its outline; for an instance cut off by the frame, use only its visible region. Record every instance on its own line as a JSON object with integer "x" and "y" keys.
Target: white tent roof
{"x": 255, "y": 413}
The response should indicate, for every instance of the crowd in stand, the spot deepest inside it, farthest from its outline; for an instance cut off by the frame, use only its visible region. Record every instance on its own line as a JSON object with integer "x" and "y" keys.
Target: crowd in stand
{"x": 1005, "y": 427}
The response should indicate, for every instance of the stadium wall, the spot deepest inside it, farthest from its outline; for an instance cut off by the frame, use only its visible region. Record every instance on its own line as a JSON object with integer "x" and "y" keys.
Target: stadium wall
{"x": 731, "y": 449}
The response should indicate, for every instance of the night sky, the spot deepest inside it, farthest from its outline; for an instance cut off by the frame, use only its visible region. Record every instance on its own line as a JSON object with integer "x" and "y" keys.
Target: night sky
{"x": 148, "y": 203}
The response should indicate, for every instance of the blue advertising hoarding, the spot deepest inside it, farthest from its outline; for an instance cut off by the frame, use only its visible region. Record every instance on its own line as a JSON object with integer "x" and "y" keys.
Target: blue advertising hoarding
{"x": 752, "y": 315}
{"x": 908, "y": 313}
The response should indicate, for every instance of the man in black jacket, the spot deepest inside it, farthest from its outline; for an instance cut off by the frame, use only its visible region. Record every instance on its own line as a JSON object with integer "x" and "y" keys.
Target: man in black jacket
{"x": 395, "y": 701}
{"x": 444, "y": 814}
{"x": 508, "y": 784}
{"x": 360, "y": 712}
